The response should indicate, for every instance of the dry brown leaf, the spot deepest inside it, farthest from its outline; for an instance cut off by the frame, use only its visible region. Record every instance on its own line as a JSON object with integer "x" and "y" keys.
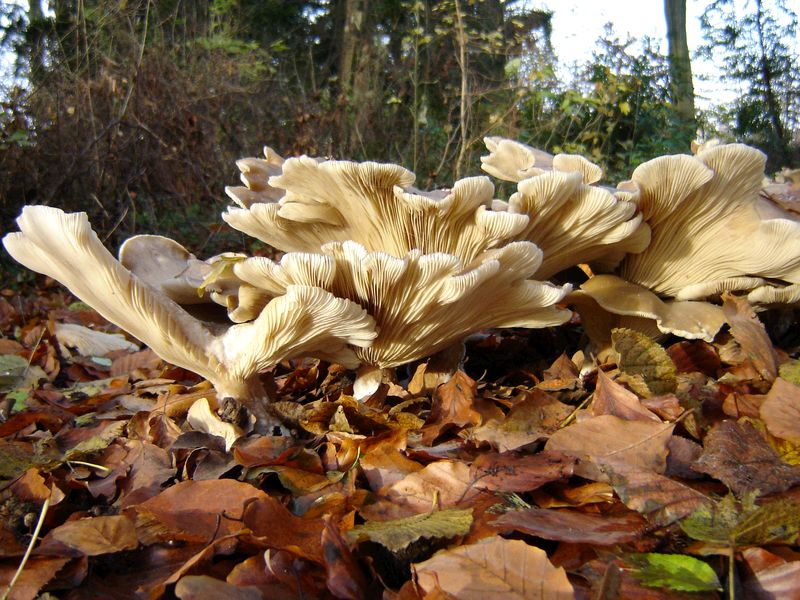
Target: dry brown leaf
{"x": 610, "y": 398}
{"x": 513, "y": 473}
{"x": 37, "y": 572}
{"x": 739, "y": 456}
{"x": 574, "y": 526}
{"x": 443, "y": 483}
{"x": 600, "y": 442}
{"x": 203, "y": 587}
{"x": 199, "y": 510}
{"x": 345, "y": 578}
{"x": 385, "y": 465}
{"x": 534, "y": 416}
{"x": 695, "y": 356}
{"x": 661, "y": 499}
{"x": 749, "y": 332}
{"x": 453, "y": 406}
{"x": 96, "y": 535}
{"x": 769, "y": 576}
{"x": 494, "y": 567}
{"x": 276, "y": 527}
{"x": 781, "y": 411}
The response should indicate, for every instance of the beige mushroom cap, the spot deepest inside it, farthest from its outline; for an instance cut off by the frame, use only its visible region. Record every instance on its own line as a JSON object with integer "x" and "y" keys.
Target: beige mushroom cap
{"x": 421, "y": 303}
{"x": 304, "y": 320}
{"x": 691, "y": 320}
{"x": 375, "y": 205}
{"x": 710, "y": 230}
{"x": 255, "y": 174}
{"x": 514, "y": 161}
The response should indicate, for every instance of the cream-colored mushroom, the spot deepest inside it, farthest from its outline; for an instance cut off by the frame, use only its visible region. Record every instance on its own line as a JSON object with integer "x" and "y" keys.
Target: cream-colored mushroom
{"x": 169, "y": 268}
{"x": 605, "y": 302}
{"x": 570, "y": 220}
{"x": 375, "y": 205}
{"x": 255, "y": 174}
{"x": 305, "y": 320}
{"x": 711, "y": 231}
{"x": 422, "y": 303}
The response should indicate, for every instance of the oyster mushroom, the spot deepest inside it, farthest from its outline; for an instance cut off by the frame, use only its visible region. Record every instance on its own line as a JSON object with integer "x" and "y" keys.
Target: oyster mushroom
{"x": 304, "y": 320}
{"x": 422, "y": 303}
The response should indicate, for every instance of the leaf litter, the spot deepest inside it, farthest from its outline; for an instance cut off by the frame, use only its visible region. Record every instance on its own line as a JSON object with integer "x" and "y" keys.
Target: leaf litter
{"x": 557, "y": 476}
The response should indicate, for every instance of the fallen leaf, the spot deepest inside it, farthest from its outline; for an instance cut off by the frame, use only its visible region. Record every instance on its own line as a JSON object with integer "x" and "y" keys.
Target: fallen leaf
{"x": 534, "y": 416}
{"x": 749, "y": 332}
{"x": 606, "y": 440}
{"x": 399, "y": 533}
{"x": 37, "y": 572}
{"x": 452, "y": 407}
{"x": 345, "y": 578}
{"x": 781, "y": 411}
{"x": 444, "y": 483}
{"x": 739, "y": 456}
{"x": 199, "y": 510}
{"x": 276, "y": 527}
{"x": 513, "y": 473}
{"x": 494, "y": 567}
{"x": 674, "y": 572}
{"x": 203, "y": 587}
{"x": 769, "y": 576}
{"x": 661, "y": 499}
{"x": 640, "y": 356}
{"x": 695, "y": 356}
{"x": 88, "y": 342}
{"x": 610, "y": 398}
{"x": 96, "y": 535}
{"x": 573, "y": 526}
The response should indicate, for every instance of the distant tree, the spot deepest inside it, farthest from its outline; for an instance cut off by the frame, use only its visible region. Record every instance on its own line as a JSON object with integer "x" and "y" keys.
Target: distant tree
{"x": 758, "y": 49}
{"x": 680, "y": 65}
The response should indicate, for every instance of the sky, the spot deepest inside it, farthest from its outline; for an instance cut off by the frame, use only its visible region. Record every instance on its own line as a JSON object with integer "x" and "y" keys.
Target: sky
{"x": 578, "y": 23}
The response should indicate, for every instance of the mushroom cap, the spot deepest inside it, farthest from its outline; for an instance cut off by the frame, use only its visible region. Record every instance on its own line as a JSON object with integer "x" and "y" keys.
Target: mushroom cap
{"x": 514, "y": 161}
{"x": 710, "y": 229}
{"x": 375, "y": 205}
{"x": 421, "y": 303}
{"x": 304, "y": 320}
{"x": 255, "y": 174}
{"x": 577, "y": 223}
{"x": 691, "y": 320}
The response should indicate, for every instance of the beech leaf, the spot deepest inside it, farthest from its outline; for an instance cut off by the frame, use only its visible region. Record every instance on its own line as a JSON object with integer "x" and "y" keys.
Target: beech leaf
{"x": 641, "y": 356}
{"x": 494, "y": 567}
{"x": 674, "y": 571}
{"x": 781, "y": 411}
{"x": 399, "y": 533}
{"x": 749, "y": 332}
{"x": 97, "y": 535}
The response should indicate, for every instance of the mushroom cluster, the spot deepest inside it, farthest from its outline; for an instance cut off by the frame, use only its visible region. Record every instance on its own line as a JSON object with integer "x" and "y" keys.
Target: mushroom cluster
{"x": 377, "y": 273}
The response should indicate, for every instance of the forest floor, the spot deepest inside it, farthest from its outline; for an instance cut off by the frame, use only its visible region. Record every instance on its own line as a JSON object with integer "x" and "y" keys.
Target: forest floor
{"x": 665, "y": 470}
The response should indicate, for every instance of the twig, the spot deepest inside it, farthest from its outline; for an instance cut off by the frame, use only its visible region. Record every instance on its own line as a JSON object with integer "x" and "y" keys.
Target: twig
{"x": 28, "y": 551}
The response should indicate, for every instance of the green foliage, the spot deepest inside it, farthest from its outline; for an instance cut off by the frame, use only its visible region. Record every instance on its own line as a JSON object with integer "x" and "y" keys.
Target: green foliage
{"x": 758, "y": 47}
{"x": 675, "y": 572}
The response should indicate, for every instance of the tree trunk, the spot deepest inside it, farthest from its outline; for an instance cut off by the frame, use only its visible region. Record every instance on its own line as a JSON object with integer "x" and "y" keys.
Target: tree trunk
{"x": 773, "y": 106}
{"x": 680, "y": 66}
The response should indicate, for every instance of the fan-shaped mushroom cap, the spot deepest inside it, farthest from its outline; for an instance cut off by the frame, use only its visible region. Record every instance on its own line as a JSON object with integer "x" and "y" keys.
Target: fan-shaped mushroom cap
{"x": 304, "y": 320}
{"x": 375, "y": 205}
{"x": 577, "y": 223}
{"x": 172, "y": 270}
{"x": 514, "y": 161}
{"x": 421, "y": 303}
{"x": 255, "y": 174}
{"x": 710, "y": 230}
{"x": 510, "y": 160}
{"x": 691, "y": 320}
